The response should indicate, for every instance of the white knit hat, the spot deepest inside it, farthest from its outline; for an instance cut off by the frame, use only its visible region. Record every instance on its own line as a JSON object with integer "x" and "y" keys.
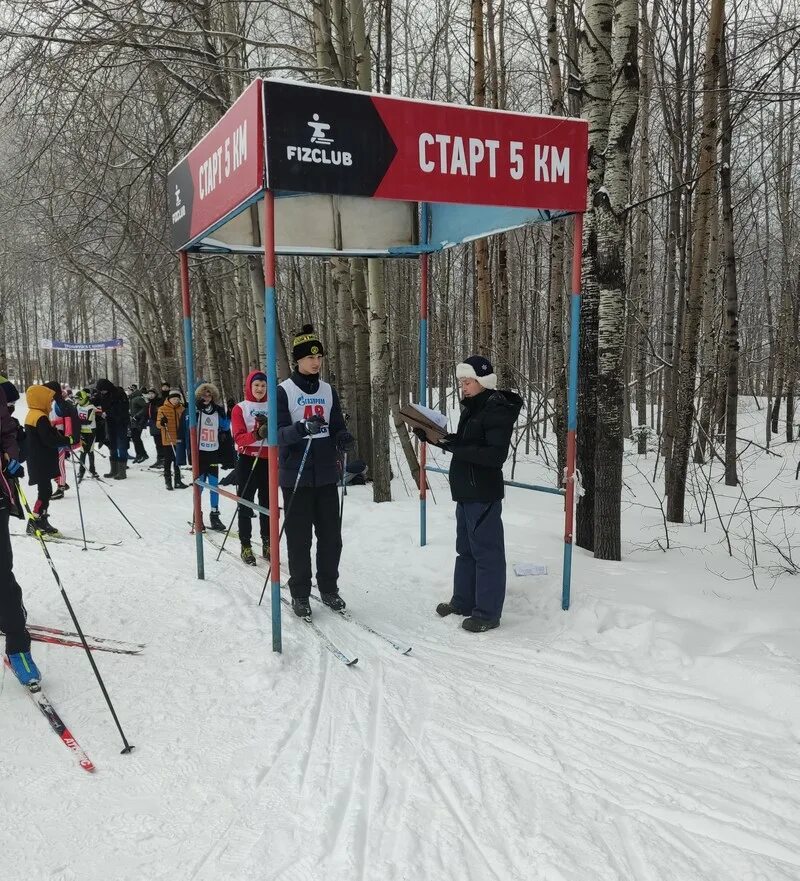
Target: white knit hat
{"x": 479, "y": 368}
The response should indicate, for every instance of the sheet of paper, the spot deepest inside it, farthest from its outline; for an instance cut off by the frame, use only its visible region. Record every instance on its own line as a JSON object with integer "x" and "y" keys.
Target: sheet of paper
{"x": 530, "y": 569}
{"x": 434, "y": 415}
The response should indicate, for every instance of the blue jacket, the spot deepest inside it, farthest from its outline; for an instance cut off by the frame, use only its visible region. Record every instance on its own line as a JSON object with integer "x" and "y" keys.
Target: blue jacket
{"x": 322, "y": 462}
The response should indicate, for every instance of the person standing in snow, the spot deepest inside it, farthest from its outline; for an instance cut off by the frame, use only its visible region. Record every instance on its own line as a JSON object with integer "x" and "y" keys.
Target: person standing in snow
{"x": 88, "y": 423}
{"x": 138, "y": 410}
{"x": 12, "y": 610}
{"x": 42, "y": 442}
{"x": 310, "y": 419}
{"x": 212, "y": 429}
{"x": 112, "y": 401}
{"x": 479, "y": 448}
{"x": 157, "y": 401}
{"x": 170, "y": 420}
{"x": 249, "y": 427}
{"x": 64, "y": 417}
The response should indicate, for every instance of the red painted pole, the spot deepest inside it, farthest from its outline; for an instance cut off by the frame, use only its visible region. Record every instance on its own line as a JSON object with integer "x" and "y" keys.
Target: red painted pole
{"x": 572, "y": 406}
{"x": 271, "y": 338}
{"x": 189, "y": 357}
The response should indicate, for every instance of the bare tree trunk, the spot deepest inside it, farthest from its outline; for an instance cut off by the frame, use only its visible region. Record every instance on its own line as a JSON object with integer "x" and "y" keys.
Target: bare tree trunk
{"x": 700, "y": 225}
{"x": 730, "y": 280}
{"x": 596, "y": 67}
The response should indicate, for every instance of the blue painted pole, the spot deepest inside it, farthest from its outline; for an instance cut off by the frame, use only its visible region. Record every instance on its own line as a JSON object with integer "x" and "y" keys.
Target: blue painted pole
{"x": 424, "y": 271}
{"x": 188, "y": 351}
{"x": 572, "y": 406}
{"x": 271, "y": 330}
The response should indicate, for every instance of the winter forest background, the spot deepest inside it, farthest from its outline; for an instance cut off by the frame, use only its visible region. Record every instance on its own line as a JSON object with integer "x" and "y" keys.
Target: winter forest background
{"x": 691, "y": 273}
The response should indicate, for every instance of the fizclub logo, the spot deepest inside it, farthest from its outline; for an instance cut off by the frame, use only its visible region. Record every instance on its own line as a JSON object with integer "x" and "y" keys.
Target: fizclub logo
{"x": 320, "y": 134}
{"x": 180, "y": 209}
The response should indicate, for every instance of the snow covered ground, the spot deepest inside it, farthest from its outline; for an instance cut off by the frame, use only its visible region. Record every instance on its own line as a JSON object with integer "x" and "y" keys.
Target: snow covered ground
{"x": 651, "y": 733}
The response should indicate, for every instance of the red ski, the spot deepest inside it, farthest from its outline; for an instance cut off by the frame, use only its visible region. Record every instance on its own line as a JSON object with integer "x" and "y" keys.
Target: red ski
{"x": 40, "y": 699}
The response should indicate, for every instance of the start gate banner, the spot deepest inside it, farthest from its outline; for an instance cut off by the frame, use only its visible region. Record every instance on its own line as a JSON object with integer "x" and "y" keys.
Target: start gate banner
{"x": 224, "y": 170}
{"x": 337, "y": 141}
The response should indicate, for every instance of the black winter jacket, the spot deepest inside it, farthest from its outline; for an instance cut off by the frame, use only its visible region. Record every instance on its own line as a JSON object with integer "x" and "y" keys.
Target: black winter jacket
{"x": 113, "y": 401}
{"x": 480, "y": 446}
{"x": 322, "y": 463}
{"x": 42, "y": 442}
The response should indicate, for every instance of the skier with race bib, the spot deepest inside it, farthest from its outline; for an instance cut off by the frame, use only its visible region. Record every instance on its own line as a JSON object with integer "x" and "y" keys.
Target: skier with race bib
{"x": 88, "y": 421}
{"x": 311, "y": 434}
{"x": 249, "y": 427}
{"x": 212, "y": 428}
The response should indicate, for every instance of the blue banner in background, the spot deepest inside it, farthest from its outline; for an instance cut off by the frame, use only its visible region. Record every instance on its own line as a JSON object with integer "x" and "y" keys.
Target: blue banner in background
{"x": 81, "y": 347}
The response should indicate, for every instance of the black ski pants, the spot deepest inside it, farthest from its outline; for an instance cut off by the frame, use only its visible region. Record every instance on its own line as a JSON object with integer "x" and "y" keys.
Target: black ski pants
{"x": 87, "y": 445}
{"x": 136, "y": 437}
{"x": 12, "y": 612}
{"x": 252, "y": 476}
{"x": 313, "y": 508}
{"x": 169, "y": 462}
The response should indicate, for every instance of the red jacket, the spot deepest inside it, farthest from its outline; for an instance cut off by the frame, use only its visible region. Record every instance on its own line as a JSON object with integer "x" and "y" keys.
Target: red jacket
{"x": 243, "y": 421}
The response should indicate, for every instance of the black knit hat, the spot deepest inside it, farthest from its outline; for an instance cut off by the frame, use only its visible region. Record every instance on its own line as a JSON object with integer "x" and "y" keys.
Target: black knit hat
{"x": 9, "y": 389}
{"x": 306, "y": 343}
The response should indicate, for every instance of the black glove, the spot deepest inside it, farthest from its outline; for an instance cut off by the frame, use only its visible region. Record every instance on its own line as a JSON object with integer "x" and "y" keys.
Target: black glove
{"x": 345, "y": 442}
{"x": 314, "y": 424}
{"x": 261, "y": 430}
{"x": 448, "y": 442}
{"x": 420, "y": 434}
{"x": 163, "y": 421}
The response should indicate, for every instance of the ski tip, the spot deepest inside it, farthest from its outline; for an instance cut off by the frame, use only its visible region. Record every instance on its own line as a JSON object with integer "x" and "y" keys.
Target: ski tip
{"x": 86, "y": 764}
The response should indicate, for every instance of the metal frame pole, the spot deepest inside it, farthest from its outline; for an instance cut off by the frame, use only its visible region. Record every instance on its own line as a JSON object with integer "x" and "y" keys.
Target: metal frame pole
{"x": 424, "y": 272}
{"x": 271, "y": 337}
{"x": 572, "y": 404}
{"x": 189, "y": 358}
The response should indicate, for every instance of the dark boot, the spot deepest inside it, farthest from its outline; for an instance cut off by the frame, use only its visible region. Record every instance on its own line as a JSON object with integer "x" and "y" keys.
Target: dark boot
{"x": 122, "y": 471}
{"x": 112, "y": 468}
{"x": 333, "y": 601}
{"x": 179, "y": 484}
{"x": 247, "y": 555}
{"x": 479, "y": 625}
{"x": 168, "y": 481}
{"x": 301, "y": 607}
{"x": 445, "y": 609}
{"x": 214, "y": 521}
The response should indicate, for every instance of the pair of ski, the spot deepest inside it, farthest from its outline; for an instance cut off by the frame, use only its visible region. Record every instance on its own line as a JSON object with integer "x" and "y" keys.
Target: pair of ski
{"x": 48, "y": 711}
{"x": 340, "y": 654}
{"x": 55, "y": 636}
{"x": 60, "y": 538}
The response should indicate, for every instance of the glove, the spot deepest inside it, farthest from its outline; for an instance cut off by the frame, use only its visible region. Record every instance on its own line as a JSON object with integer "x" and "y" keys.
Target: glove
{"x": 14, "y": 469}
{"x": 261, "y": 430}
{"x": 345, "y": 442}
{"x": 448, "y": 442}
{"x": 420, "y": 434}
{"x": 163, "y": 421}
{"x": 314, "y": 424}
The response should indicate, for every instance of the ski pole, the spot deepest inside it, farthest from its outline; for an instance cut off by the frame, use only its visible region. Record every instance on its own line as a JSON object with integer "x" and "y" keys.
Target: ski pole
{"x": 32, "y": 519}
{"x": 244, "y": 490}
{"x": 344, "y": 490}
{"x": 108, "y": 496}
{"x": 78, "y": 492}
{"x": 289, "y": 505}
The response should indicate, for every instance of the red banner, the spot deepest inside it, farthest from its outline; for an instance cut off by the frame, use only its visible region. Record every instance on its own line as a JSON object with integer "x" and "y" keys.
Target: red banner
{"x": 225, "y": 169}
{"x": 323, "y": 140}
{"x": 467, "y": 155}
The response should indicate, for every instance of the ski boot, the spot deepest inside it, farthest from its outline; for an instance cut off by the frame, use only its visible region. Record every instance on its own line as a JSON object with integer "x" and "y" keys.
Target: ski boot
{"x": 479, "y": 625}
{"x": 58, "y": 494}
{"x": 168, "y": 481}
{"x": 179, "y": 484}
{"x": 301, "y": 607}
{"x": 81, "y": 473}
{"x": 158, "y": 465}
{"x": 265, "y": 548}
{"x": 42, "y": 524}
{"x": 215, "y": 522}
{"x": 333, "y": 601}
{"x": 445, "y": 609}
{"x": 24, "y": 668}
{"x": 247, "y": 555}
{"x": 112, "y": 466}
